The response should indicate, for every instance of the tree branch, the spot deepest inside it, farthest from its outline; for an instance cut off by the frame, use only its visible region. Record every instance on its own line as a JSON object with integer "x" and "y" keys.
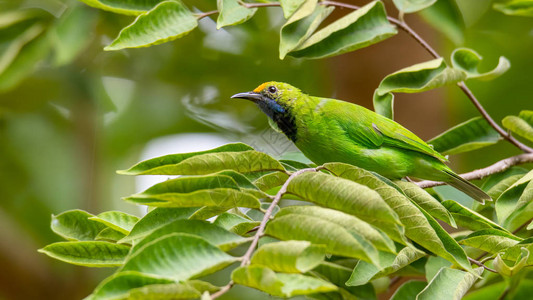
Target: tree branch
{"x": 245, "y": 260}
{"x": 498, "y": 167}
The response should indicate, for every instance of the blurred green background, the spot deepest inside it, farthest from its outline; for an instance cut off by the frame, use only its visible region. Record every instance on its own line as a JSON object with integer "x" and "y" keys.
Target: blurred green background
{"x": 71, "y": 114}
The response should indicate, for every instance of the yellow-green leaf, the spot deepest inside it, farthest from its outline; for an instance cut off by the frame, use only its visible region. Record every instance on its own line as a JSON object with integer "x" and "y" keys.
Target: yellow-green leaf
{"x": 167, "y": 21}
{"x": 88, "y": 254}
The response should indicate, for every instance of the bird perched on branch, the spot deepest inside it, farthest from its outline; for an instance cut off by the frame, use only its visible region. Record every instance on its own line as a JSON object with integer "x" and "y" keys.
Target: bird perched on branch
{"x": 330, "y": 130}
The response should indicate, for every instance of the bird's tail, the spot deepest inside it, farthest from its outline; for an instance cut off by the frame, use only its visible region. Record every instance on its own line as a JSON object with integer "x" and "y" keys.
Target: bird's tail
{"x": 466, "y": 187}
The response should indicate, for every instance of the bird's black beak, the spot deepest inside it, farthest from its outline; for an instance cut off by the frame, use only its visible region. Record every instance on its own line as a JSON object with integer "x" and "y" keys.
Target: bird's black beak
{"x": 255, "y": 97}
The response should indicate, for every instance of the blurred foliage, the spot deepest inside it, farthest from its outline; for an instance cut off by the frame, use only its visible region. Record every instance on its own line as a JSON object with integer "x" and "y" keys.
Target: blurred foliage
{"x": 71, "y": 114}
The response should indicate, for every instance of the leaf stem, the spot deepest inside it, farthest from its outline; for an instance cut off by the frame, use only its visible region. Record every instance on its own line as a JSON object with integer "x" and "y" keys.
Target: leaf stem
{"x": 481, "y": 265}
{"x": 245, "y": 260}
{"x": 497, "y": 167}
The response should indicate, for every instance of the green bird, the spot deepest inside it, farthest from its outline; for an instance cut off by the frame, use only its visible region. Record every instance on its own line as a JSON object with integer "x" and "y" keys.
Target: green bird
{"x": 330, "y": 130}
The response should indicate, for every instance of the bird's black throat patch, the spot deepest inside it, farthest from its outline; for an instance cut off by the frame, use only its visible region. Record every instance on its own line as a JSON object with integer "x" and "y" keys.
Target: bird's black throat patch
{"x": 281, "y": 115}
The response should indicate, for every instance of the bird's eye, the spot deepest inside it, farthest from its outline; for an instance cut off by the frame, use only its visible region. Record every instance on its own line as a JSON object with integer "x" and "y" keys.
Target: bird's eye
{"x": 272, "y": 89}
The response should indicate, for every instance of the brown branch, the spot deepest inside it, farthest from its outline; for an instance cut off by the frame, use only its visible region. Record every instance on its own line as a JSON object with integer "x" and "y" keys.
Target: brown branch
{"x": 498, "y": 167}
{"x": 245, "y": 260}
{"x": 481, "y": 265}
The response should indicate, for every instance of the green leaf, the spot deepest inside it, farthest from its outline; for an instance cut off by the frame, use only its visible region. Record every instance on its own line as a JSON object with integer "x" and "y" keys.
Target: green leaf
{"x": 338, "y": 240}
{"x": 109, "y": 235}
{"x": 497, "y": 190}
{"x": 242, "y": 162}
{"x": 155, "y": 219}
{"x": 240, "y": 179}
{"x": 119, "y": 221}
{"x": 339, "y": 275}
{"x": 271, "y": 180}
{"x": 509, "y": 271}
{"x": 88, "y": 254}
{"x": 196, "y": 191}
{"x": 14, "y": 46}
{"x": 468, "y": 218}
{"x": 344, "y": 195}
{"x": 515, "y": 253}
{"x": 235, "y": 223}
{"x": 449, "y": 284}
{"x": 69, "y": 34}
{"x": 419, "y": 225}
{"x": 301, "y": 25}
{"x": 126, "y": 7}
{"x": 119, "y": 284}
{"x": 178, "y": 256}
{"x": 433, "y": 266}
{"x": 354, "y": 225}
{"x": 411, "y": 6}
{"x": 365, "y": 272}
{"x": 508, "y": 200}
{"x": 470, "y": 135}
{"x": 490, "y": 240}
{"x": 151, "y": 166}
{"x": 279, "y": 284}
{"x": 74, "y": 225}
{"x": 445, "y": 16}
{"x": 173, "y": 291}
{"x": 521, "y": 125}
{"x": 467, "y": 60}
{"x": 9, "y": 18}
{"x": 167, "y": 21}
{"x": 495, "y": 179}
{"x": 25, "y": 62}
{"x": 414, "y": 79}
{"x": 231, "y": 12}
{"x": 383, "y": 104}
{"x": 516, "y": 8}
{"x": 220, "y": 197}
{"x": 426, "y": 201}
{"x": 523, "y": 212}
{"x": 361, "y": 28}
{"x": 214, "y": 234}
{"x": 409, "y": 290}
{"x": 289, "y": 256}
{"x": 207, "y": 212}
{"x": 290, "y": 6}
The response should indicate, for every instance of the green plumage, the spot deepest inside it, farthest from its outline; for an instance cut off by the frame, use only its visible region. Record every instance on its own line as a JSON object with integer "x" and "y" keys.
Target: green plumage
{"x": 330, "y": 130}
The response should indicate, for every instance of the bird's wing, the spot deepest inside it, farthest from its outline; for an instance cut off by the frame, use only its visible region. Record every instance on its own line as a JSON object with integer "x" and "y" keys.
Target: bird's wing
{"x": 371, "y": 130}
{"x": 397, "y": 136}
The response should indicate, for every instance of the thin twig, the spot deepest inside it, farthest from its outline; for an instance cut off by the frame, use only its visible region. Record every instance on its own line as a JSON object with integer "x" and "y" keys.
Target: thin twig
{"x": 481, "y": 265}
{"x": 245, "y": 260}
{"x": 493, "y": 124}
{"x": 498, "y": 167}
{"x": 254, "y": 5}
{"x": 206, "y": 14}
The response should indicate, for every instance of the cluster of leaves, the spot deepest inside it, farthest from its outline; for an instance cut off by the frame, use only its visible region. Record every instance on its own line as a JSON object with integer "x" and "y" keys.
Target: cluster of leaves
{"x": 30, "y": 35}
{"x": 161, "y": 21}
{"x": 351, "y": 228}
